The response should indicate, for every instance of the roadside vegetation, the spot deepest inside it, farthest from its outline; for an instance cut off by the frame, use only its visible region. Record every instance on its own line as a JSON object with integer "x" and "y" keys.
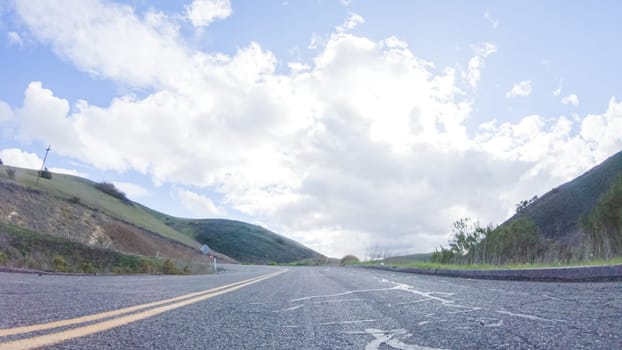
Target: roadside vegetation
{"x": 519, "y": 241}
{"x": 21, "y": 248}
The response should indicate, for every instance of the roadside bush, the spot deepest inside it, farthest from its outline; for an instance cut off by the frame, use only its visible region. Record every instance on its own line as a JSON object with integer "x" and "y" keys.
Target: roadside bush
{"x": 169, "y": 268}
{"x": 31, "y": 263}
{"x": 75, "y": 200}
{"x": 145, "y": 266}
{"x": 4, "y": 257}
{"x": 112, "y": 190}
{"x": 348, "y": 260}
{"x": 10, "y": 173}
{"x": 59, "y": 263}
{"x": 186, "y": 270}
{"x": 46, "y": 174}
{"x": 88, "y": 267}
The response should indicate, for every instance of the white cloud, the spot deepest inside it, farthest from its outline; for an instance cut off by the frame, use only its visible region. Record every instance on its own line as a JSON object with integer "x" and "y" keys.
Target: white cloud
{"x": 15, "y": 39}
{"x": 316, "y": 41}
{"x": 365, "y": 145}
{"x": 203, "y": 12}
{"x": 18, "y": 158}
{"x": 476, "y": 63}
{"x": 138, "y": 46}
{"x": 350, "y": 23}
{"x": 571, "y": 100}
{"x": 493, "y": 22}
{"x": 198, "y": 204}
{"x": 6, "y": 112}
{"x": 520, "y": 89}
{"x": 558, "y": 91}
{"x": 133, "y": 191}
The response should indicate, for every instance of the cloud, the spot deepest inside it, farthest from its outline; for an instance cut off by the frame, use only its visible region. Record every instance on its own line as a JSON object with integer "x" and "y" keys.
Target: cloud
{"x": 15, "y": 39}
{"x": 365, "y": 145}
{"x": 558, "y": 91}
{"x": 315, "y": 42}
{"x": 198, "y": 204}
{"x": 139, "y": 47}
{"x": 133, "y": 191}
{"x": 6, "y": 112}
{"x": 350, "y": 23}
{"x": 571, "y": 100}
{"x": 493, "y": 22}
{"x": 203, "y": 12}
{"x": 18, "y": 158}
{"x": 519, "y": 89}
{"x": 476, "y": 63}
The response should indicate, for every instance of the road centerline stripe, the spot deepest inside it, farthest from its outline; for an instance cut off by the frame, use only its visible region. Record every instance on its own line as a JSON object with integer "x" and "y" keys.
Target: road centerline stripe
{"x": 122, "y": 319}
{"x": 106, "y": 314}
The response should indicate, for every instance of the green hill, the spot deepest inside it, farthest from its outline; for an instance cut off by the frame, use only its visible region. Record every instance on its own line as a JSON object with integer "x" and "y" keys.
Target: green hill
{"x": 558, "y": 213}
{"x": 98, "y": 216}
{"x": 580, "y": 220}
{"x": 244, "y": 242}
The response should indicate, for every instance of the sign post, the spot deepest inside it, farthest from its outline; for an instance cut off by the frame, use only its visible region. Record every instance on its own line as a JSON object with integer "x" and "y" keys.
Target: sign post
{"x": 205, "y": 250}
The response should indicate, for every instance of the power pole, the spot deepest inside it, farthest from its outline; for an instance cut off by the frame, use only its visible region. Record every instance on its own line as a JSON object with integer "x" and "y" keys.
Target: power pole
{"x": 47, "y": 150}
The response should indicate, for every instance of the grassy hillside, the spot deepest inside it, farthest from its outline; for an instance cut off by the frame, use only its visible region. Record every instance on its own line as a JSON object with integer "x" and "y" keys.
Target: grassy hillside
{"x": 23, "y": 248}
{"x": 74, "y": 208}
{"x": 580, "y": 220}
{"x": 242, "y": 241}
{"x": 558, "y": 213}
{"x": 83, "y": 190}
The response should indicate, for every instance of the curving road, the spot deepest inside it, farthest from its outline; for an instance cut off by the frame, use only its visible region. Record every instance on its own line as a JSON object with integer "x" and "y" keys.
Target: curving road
{"x": 251, "y": 307}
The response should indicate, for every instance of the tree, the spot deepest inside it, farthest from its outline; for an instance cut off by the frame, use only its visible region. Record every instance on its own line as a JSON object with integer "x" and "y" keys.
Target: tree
{"x": 603, "y": 225}
{"x": 349, "y": 260}
{"x": 522, "y": 205}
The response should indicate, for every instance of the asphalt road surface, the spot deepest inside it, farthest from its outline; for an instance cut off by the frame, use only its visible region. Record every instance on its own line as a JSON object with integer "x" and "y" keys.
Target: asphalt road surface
{"x": 305, "y": 308}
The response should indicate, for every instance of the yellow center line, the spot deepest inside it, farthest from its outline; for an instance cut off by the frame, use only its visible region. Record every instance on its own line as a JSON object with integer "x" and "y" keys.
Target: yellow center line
{"x": 55, "y": 338}
{"x": 94, "y": 317}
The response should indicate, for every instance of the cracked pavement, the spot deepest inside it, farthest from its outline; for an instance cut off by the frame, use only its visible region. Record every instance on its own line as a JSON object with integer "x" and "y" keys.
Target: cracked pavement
{"x": 327, "y": 308}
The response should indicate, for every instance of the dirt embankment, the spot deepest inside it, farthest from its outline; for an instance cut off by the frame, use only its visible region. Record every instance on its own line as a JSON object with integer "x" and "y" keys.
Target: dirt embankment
{"x": 41, "y": 212}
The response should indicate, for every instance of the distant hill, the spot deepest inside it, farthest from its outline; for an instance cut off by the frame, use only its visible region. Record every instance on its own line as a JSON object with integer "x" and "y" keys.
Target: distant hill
{"x": 244, "y": 242}
{"x": 558, "y": 212}
{"x": 97, "y": 216}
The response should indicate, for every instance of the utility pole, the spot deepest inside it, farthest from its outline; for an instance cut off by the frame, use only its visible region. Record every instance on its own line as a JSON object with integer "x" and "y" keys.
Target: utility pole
{"x": 47, "y": 150}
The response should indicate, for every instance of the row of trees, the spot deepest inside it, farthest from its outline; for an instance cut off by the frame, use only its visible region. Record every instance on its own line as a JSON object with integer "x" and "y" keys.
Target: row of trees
{"x": 603, "y": 225}
{"x": 520, "y": 240}
{"x": 470, "y": 243}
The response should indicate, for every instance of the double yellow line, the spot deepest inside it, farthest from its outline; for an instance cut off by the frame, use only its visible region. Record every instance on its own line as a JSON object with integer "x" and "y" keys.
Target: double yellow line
{"x": 114, "y": 318}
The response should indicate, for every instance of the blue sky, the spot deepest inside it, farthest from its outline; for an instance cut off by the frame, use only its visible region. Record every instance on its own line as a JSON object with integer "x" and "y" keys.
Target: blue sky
{"x": 350, "y": 126}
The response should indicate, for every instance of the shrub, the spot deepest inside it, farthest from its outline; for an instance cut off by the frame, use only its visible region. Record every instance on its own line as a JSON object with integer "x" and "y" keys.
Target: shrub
{"x": 75, "y": 200}
{"x": 145, "y": 266}
{"x": 88, "y": 267}
{"x": 46, "y": 174}
{"x": 59, "y": 263}
{"x": 349, "y": 260}
{"x": 112, "y": 190}
{"x": 186, "y": 270}
{"x": 1, "y": 161}
{"x": 169, "y": 268}
{"x": 31, "y": 263}
{"x": 11, "y": 173}
{"x": 3, "y": 258}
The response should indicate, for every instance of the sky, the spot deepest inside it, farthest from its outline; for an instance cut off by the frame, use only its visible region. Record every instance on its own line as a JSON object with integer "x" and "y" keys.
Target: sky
{"x": 358, "y": 127}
